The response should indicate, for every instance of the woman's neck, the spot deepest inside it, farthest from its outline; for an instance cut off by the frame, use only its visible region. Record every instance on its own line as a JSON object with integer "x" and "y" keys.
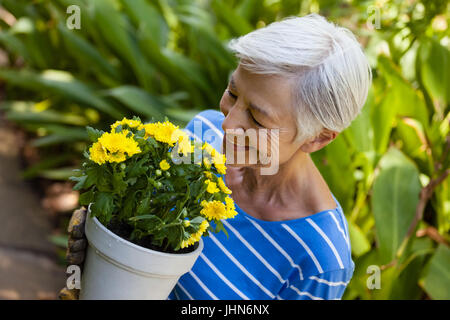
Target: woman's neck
{"x": 294, "y": 177}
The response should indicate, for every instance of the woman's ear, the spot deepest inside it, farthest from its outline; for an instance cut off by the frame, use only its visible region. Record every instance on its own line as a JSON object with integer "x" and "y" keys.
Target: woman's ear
{"x": 320, "y": 141}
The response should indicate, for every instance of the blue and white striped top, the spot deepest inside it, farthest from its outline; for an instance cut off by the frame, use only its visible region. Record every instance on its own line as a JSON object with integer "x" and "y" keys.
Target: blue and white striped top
{"x": 306, "y": 258}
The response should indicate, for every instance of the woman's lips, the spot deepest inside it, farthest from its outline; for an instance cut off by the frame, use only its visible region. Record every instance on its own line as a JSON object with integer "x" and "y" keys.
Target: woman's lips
{"x": 235, "y": 146}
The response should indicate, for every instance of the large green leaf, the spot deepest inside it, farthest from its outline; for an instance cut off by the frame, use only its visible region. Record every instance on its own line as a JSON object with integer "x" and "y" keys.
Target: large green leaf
{"x": 147, "y": 18}
{"x": 360, "y": 132}
{"x": 117, "y": 32}
{"x": 413, "y": 141}
{"x": 340, "y": 167}
{"x": 382, "y": 118}
{"x": 406, "y": 285}
{"x": 436, "y": 278}
{"x": 86, "y": 53}
{"x": 435, "y": 66}
{"x": 408, "y": 101}
{"x": 139, "y": 101}
{"x": 236, "y": 23}
{"x": 394, "y": 200}
{"x": 359, "y": 243}
{"x": 61, "y": 83}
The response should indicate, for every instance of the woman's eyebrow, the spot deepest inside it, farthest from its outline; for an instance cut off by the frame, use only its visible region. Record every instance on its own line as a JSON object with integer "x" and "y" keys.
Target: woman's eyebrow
{"x": 259, "y": 109}
{"x": 232, "y": 83}
{"x": 252, "y": 105}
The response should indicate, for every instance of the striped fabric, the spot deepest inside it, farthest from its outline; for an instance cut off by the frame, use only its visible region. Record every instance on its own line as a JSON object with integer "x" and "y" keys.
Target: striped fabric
{"x": 306, "y": 258}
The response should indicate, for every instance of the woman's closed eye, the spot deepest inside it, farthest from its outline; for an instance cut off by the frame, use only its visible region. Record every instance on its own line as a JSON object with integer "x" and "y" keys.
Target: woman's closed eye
{"x": 254, "y": 120}
{"x": 231, "y": 94}
{"x": 234, "y": 97}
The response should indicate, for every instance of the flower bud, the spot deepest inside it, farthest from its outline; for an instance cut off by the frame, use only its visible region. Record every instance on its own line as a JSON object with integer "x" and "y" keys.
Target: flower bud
{"x": 123, "y": 166}
{"x": 158, "y": 172}
{"x": 167, "y": 173}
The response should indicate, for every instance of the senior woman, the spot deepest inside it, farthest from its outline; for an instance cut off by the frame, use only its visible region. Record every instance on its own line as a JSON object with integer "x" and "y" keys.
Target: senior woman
{"x": 305, "y": 79}
{"x": 308, "y": 79}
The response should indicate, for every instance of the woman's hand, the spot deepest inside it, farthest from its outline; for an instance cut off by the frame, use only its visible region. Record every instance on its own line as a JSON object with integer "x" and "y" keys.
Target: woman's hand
{"x": 76, "y": 248}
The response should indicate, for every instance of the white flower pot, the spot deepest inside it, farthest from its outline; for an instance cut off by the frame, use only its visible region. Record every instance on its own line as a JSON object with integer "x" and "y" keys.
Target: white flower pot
{"x": 118, "y": 269}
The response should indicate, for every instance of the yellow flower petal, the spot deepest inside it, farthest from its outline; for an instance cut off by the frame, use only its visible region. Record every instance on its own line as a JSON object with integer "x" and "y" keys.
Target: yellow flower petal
{"x": 164, "y": 165}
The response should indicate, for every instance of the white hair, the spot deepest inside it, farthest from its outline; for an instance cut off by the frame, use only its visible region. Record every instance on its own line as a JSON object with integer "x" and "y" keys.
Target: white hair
{"x": 330, "y": 73}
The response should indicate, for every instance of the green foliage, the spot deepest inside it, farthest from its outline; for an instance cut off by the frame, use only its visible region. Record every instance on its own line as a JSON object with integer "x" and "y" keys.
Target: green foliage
{"x": 169, "y": 58}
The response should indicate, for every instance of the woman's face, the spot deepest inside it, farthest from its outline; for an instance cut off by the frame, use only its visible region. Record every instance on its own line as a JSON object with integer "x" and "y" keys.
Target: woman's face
{"x": 259, "y": 108}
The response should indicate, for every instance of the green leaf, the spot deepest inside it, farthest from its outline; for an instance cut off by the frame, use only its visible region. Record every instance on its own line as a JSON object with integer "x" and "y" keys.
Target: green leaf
{"x": 117, "y": 32}
{"x": 220, "y": 227}
{"x": 103, "y": 207}
{"x": 57, "y": 174}
{"x": 147, "y": 222}
{"x": 359, "y": 243}
{"x": 360, "y": 133}
{"x": 87, "y": 197}
{"x": 395, "y": 196}
{"x": 119, "y": 185}
{"x": 235, "y": 22}
{"x": 436, "y": 277}
{"x": 94, "y": 134}
{"x": 85, "y": 52}
{"x": 59, "y": 240}
{"x": 404, "y": 287}
{"x": 146, "y": 17}
{"x": 175, "y": 236}
{"x": 435, "y": 66}
{"x": 139, "y": 101}
{"x": 61, "y": 83}
{"x": 144, "y": 206}
{"x": 45, "y": 116}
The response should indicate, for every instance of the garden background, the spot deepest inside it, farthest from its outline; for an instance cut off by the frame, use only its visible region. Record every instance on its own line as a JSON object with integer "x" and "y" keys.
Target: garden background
{"x": 389, "y": 169}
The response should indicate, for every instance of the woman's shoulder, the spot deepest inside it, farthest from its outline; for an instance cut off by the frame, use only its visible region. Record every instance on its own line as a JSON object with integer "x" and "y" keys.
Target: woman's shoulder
{"x": 206, "y": 126}
{"x": 210, "y": 118}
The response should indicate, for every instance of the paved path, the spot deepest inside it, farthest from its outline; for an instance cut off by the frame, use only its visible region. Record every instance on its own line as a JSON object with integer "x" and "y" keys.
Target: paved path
{"x": 27, "y": 259}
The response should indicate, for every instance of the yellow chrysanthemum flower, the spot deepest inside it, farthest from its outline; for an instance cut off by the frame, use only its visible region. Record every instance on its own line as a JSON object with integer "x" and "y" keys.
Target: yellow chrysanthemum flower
{"x": 208, "y": 174}
{"x": 223, "y": 187}
{"x": 221, "y": 168}
{"x": 213, "y": 210}
{"x": 207, "y": 162}
{"x": 150, "y": 129}
{"x": 231, "y": 209}
{"x": 165, "y": 132}
{"x": 218, "y": 158}
{"x": 126, "y": 122}
{"x": 212, "y": 186}
{"x": 164, "y": 165}
{"x": 183, "y": 142}
{"x": 98, "y": 153}
{"x": 209, "y": 148}
{"x": 112, "y": 147}
{"x": 195, "y": 237}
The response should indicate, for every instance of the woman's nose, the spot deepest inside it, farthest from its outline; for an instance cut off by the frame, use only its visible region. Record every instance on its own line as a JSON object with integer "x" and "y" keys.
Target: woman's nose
{"x": 233, "y": 120}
